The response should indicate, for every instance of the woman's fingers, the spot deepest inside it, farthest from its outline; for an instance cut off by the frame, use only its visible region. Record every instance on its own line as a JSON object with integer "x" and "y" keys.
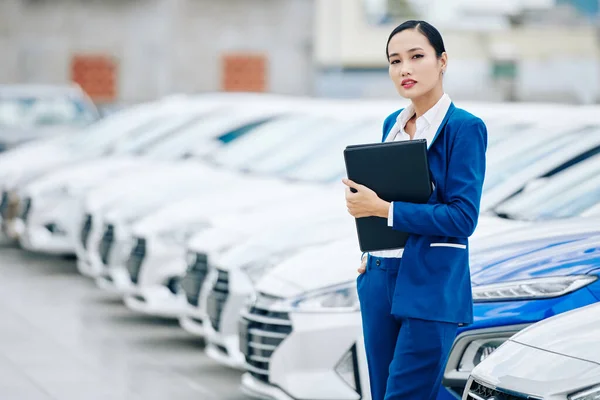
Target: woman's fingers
{"x": 363, "y": 266}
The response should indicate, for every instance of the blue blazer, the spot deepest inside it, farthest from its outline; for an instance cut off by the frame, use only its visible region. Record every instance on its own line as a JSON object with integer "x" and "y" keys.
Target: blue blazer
{"x": 434, "y": 281}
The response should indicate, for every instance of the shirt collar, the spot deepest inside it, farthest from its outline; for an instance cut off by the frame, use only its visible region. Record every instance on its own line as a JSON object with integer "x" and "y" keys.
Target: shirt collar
{"x": 432, "y": 119}
{"x": 429, "y": 116}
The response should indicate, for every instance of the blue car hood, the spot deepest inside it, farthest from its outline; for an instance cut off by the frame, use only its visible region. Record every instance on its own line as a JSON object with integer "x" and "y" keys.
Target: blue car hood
{"x": 558, "y": 256}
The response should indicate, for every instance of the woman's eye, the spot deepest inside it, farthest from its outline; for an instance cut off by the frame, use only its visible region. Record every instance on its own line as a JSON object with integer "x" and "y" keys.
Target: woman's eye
{"x": 394, "y": 61}
{"x": 418, "y": 56}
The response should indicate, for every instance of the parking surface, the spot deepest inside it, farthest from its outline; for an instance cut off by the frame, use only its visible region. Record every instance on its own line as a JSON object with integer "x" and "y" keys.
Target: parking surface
{"x": 62, "y": 338}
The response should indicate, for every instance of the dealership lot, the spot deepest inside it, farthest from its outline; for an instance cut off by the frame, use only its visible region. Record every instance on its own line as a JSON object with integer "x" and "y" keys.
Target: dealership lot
{"x": 63, "y": 340}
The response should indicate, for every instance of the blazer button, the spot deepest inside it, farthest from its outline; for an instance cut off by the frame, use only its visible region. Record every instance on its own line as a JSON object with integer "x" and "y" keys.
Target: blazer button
{"x": 378, "y": 263}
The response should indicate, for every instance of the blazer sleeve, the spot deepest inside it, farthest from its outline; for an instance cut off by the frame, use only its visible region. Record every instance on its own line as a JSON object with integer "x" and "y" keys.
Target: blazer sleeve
{"x": 464, "y": 182}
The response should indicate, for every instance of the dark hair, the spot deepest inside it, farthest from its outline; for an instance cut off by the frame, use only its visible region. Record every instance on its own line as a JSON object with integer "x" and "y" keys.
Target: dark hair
{"x": 428, "y": 30}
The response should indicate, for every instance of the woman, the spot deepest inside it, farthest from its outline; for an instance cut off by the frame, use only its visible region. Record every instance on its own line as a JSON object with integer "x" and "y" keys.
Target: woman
{"x": 413, "y": 299}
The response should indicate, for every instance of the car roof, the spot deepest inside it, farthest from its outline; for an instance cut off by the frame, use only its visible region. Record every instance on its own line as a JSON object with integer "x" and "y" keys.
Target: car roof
{"x": 38, "y": 90}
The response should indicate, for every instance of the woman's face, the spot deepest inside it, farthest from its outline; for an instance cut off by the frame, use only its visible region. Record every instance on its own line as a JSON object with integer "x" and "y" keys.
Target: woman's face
{"x": 413, "y": 64}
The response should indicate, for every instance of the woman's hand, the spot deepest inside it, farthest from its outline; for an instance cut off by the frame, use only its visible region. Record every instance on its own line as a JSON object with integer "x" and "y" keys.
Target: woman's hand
{"x": 363, "y": 265}
{"x": 365, "y": 202}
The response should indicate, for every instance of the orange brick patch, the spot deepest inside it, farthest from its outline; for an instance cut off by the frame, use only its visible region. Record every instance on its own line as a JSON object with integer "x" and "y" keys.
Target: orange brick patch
{"x": 244, "y": 72}
{"x": 97, "y": 76}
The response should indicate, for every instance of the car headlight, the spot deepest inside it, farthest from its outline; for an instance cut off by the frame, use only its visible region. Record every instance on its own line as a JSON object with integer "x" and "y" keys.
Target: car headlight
{"x": 477, "y": 351}
{"x": 338, "y": 298}
{"x": 181, "y": 235}
{"x": 588, "y": 394}
{"x": 538, "y": 288}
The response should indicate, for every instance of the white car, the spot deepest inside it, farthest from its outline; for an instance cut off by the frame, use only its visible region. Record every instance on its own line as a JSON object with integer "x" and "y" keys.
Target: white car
{"x": 555, "y": 359}
{"x": 235, "y": 273}
{"x": 33, "y": 159}
{"x": 298, "y": 334}
{"x": 192, "y": 215}
{"x": 230, "y": 231}
{"x": 47, "y": 221}
{"x": 161, "y": 183}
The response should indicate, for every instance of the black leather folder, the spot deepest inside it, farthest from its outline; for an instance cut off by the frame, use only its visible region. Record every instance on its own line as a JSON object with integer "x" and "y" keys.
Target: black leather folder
{"x": 396, "y": 171}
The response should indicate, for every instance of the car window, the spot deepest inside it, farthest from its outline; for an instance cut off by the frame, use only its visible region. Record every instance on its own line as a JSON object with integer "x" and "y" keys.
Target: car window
{"x": 504, "y": 168}
{"x": 33, "y": 112}
{"x": 264, "y": 139}
{"x": 567, "y": 194}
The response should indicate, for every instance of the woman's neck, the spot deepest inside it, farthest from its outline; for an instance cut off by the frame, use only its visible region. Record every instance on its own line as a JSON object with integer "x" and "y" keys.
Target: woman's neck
{"x": 427, "y": 101}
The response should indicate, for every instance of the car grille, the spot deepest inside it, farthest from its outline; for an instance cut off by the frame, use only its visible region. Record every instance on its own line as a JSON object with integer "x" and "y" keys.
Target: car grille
{"x": 479, "y": 391}
{"x": 4, "y": 203}
{"x": 194, "y": 278}
{"x": 217, "y": 299}
{"x": 261, "y": 332}
{"x": 136, "y": 258}
{"x": 106, "y": 244}
{"x": 86, "y": 228}
{"x": 26, "y": 209}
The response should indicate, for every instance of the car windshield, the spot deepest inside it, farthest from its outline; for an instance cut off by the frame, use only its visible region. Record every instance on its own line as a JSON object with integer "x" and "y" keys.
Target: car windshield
{"x": 308, "y": 145}
{"x": 327, "y": 164}
{"x": 569, "y": 193}
{"x": 140, "y": 140}
{"x": 36, "y": 112}
{"x": 200, "y": 137}
{"x": 502, "y": 132}
{"x": 506, "y": 165}
{"x": 265, "y": 139}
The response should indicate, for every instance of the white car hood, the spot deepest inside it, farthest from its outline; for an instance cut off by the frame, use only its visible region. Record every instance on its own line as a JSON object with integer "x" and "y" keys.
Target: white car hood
{"x": 574, "y": 334}
{"x": 284, "y": 242}
{"x": 24, "y": 165}
{"x": 84, "y": 174}
{"x": 313, "y": 269}
{"x": 241, "y": 205}
{"x": 155, "y": 178}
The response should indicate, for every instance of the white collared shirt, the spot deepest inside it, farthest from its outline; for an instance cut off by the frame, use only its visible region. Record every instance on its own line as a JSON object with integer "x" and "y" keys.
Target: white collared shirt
{"x": 427, "y": 126}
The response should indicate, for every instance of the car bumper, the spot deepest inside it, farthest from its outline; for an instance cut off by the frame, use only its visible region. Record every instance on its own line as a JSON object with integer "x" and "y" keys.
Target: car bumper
{"x": 192, "y": 325}
{"x": 116, "y": 280}
{"x": 50, "y": 228}
{"x": 156, "y": 301}
{"x": 38, "y": 238}
{"x": 303, "y": 366}
{"x": 260, "y": 390}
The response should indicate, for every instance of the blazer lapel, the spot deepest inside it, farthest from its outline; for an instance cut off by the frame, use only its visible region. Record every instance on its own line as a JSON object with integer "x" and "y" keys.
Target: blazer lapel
{"x": 444, "y": 121}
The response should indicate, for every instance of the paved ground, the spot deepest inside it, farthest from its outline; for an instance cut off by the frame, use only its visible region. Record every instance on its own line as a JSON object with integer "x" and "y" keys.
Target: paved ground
{"x": 61, "y": 338}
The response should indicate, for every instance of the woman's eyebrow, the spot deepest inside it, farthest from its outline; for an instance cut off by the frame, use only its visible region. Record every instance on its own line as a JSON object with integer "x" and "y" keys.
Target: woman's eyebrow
{"x": 409, "y": 51}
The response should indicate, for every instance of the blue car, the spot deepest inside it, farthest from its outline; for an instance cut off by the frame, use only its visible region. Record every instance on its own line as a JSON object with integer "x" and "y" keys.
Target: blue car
{"x": 518, "y": 284}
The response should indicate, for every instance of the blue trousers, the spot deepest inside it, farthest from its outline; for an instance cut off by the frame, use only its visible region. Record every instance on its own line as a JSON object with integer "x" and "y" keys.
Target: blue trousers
{"x": 406, "y": 357}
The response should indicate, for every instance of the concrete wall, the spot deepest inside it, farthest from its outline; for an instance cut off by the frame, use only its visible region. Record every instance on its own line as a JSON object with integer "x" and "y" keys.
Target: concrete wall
{"x": 162, "y": 46}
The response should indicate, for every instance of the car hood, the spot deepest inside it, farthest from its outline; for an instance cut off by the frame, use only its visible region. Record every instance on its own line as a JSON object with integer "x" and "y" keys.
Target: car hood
{"x": 154, "y": 178}
{"x": 278, "y": 244}
{"x": 561, "y": 256}
{"x": 13, "y": 136}
{"x": 83, "y": 175}
{"x": 230, "y": 229}
{"x": 574, "y": 334}
{"x": 232, "y": 199}
{"x": 313, "y": 269}
{"x": 32, "y": 162}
